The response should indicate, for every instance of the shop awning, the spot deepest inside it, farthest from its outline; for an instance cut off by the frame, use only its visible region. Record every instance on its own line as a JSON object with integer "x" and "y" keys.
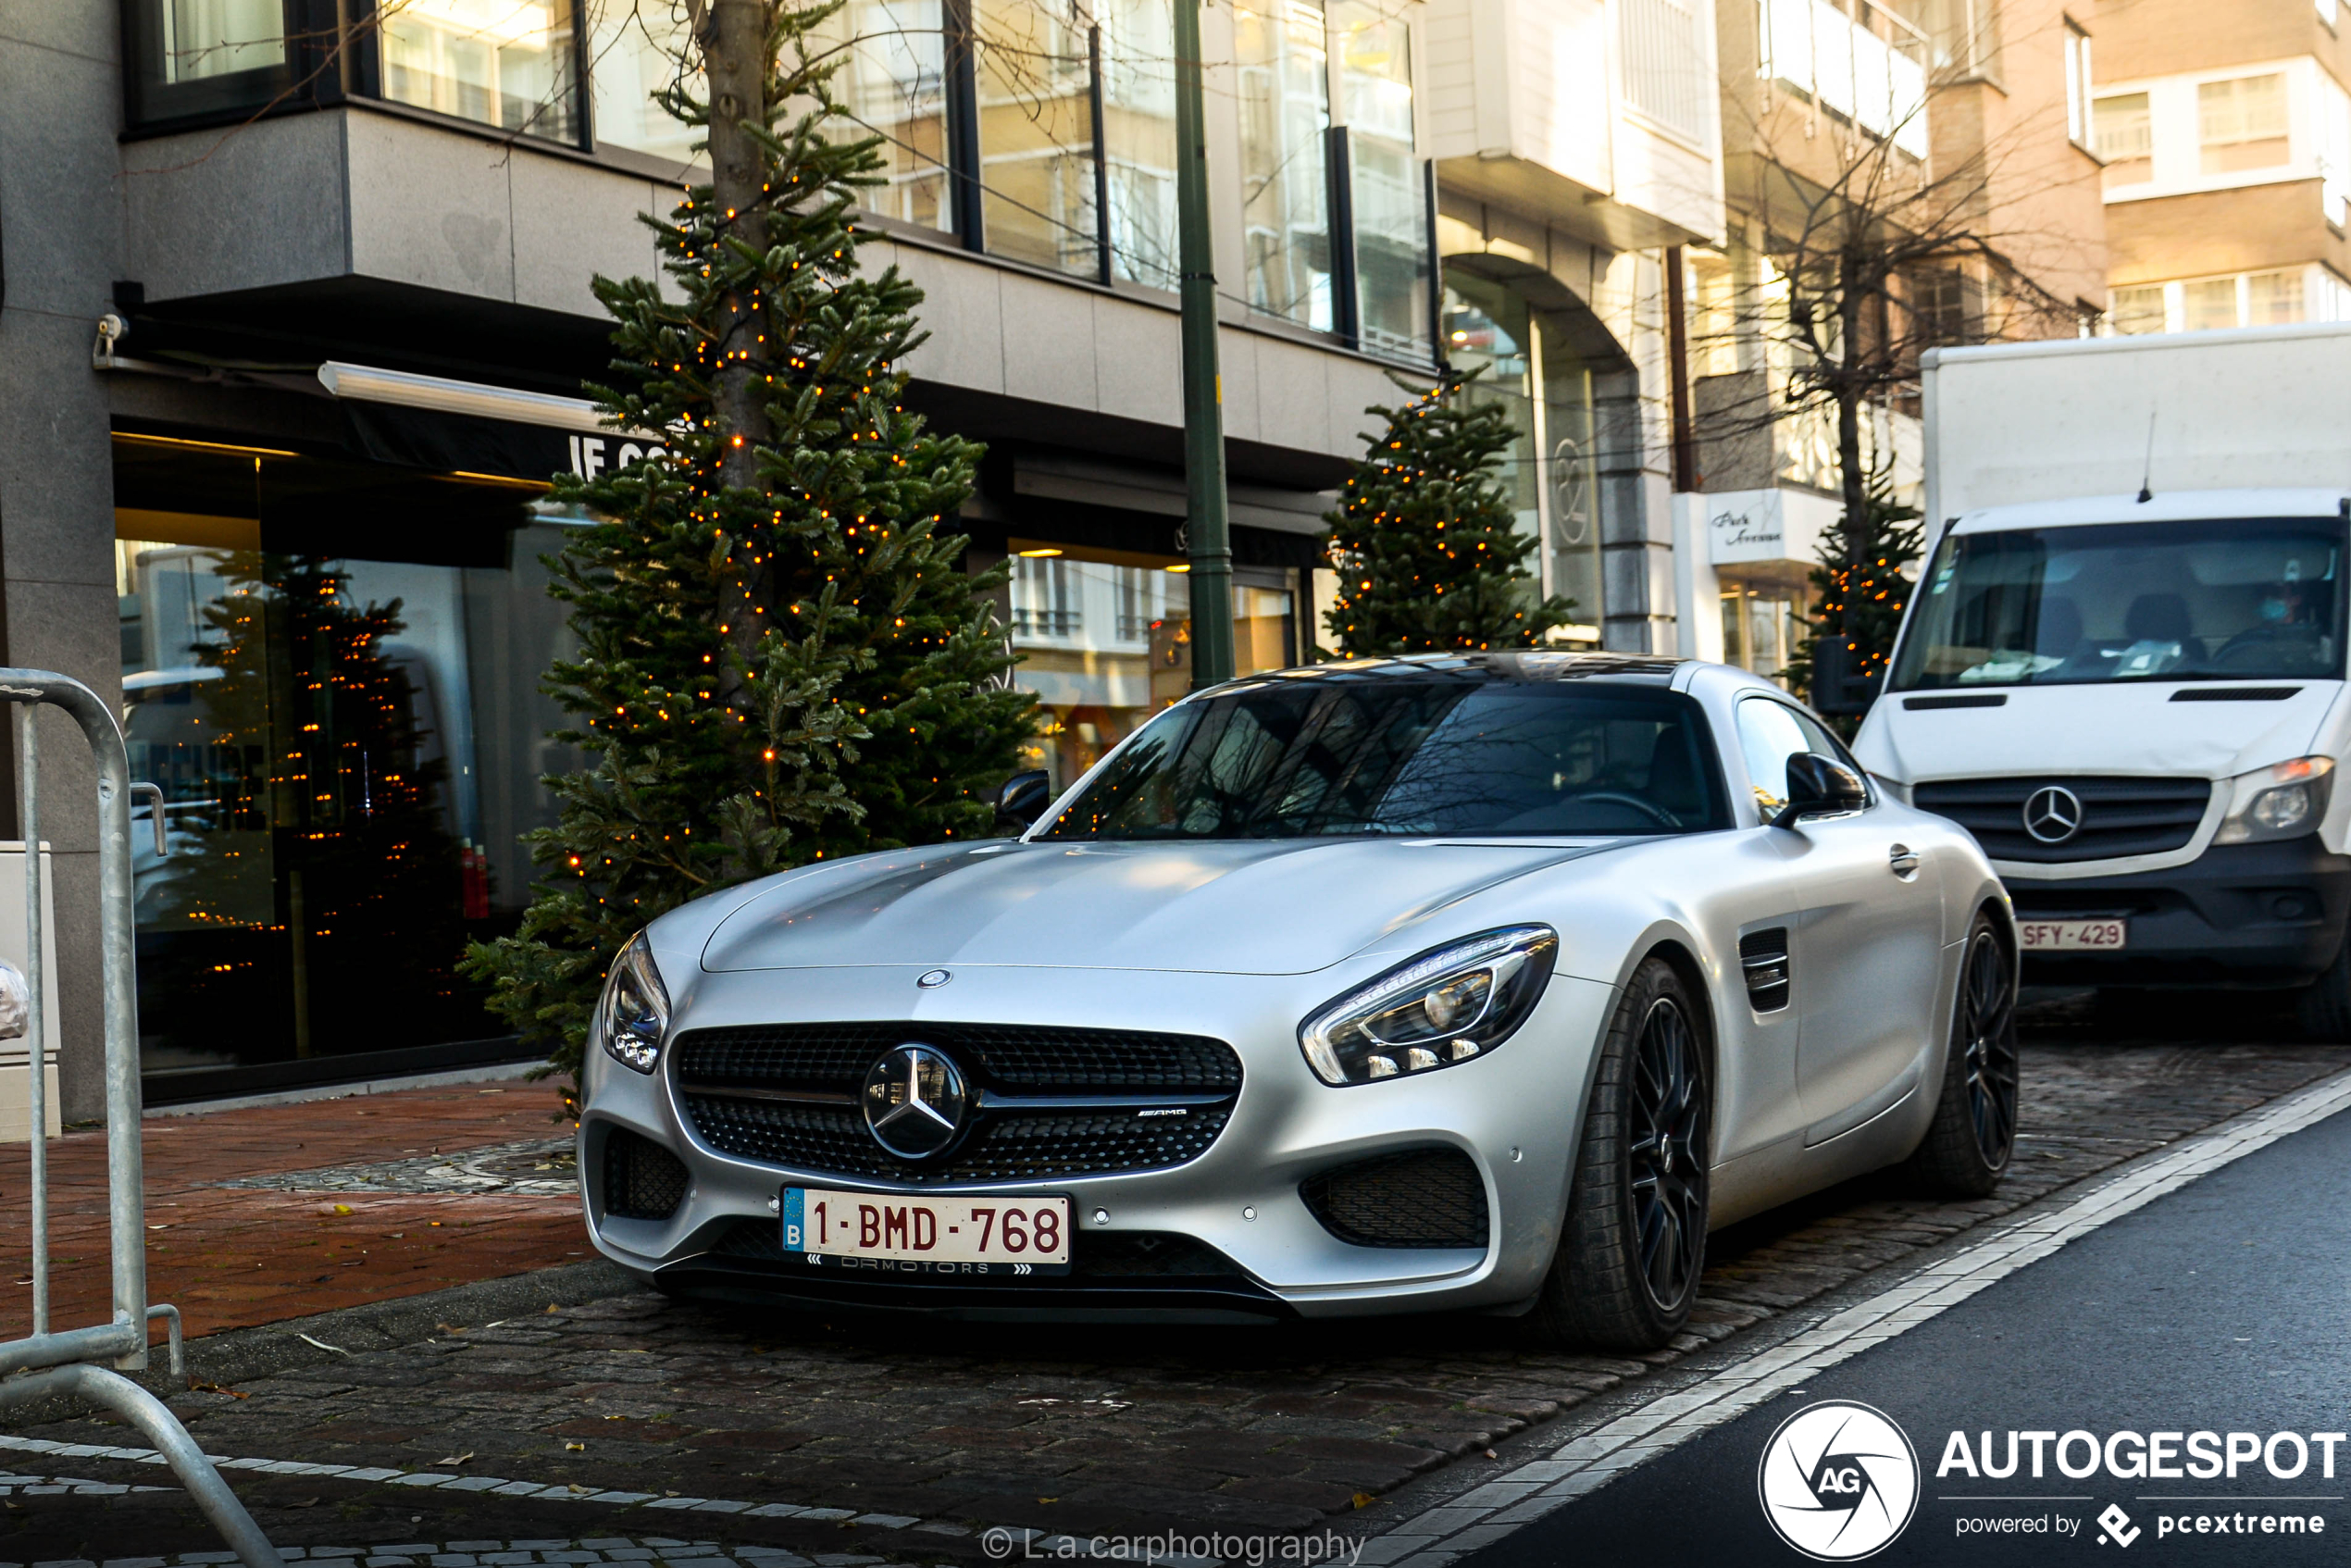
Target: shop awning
{"x": 450, "y": 426}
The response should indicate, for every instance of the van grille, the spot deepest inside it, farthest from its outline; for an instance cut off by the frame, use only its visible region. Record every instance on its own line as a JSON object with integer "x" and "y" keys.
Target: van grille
{"x": 2120, "y": 817}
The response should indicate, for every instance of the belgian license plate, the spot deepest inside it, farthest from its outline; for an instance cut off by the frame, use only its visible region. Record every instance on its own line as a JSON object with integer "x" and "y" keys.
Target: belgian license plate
{"x": 893, "y": 1233}
{"x": 2073, "y": 936}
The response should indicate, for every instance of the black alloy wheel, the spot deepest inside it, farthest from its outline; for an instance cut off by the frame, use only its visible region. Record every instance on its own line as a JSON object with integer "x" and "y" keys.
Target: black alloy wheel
{"x": 1633, "y": 1242}
{"x": 1668, "y": 1154}
{"x": 1973, "y": 1138}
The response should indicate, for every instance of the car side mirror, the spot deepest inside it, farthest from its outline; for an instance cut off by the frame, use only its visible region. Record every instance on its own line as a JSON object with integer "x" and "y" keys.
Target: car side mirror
{"x": 1024, "y": 799}
{"x": 1818, "y": 785}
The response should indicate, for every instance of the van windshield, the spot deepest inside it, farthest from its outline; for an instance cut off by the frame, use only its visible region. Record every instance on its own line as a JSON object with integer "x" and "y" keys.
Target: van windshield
{"x": 2219, "y": 600}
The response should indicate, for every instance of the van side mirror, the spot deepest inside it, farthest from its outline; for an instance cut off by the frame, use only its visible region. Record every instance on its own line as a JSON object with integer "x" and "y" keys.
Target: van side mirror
{"x": 1818, "y": 785}
{"x": 1024, "y": 799}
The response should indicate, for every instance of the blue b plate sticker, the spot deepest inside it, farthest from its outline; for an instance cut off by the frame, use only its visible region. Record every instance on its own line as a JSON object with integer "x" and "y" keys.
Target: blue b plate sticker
{"x": 793, "y": 1226}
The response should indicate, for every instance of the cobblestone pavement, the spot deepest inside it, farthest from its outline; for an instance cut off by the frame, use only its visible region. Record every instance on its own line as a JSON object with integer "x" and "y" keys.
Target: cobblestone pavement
{"x": 813, "y": 1435}
{"x": 308, "y": 1243}
{"x": 542, "y": 1167}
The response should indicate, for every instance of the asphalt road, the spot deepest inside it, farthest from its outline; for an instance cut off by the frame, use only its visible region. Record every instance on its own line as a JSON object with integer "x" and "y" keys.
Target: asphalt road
{"x": 2224, "y": 1307}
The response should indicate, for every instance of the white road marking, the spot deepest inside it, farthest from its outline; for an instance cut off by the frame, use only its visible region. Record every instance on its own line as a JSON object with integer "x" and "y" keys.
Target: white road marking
{"x": 1527, "y": 1492}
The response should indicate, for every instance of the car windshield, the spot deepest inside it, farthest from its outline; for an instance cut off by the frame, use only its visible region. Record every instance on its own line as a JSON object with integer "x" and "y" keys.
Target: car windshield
{"x": 2229, "y": 600}
{"x": 1304, "y": 758}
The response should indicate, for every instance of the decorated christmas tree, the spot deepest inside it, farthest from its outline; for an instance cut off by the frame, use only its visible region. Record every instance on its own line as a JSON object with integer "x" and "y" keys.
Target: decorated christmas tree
{"x": 781, "y": 657}
{"x": 1863, "y": 590}
{"x": 1428, "y": 555}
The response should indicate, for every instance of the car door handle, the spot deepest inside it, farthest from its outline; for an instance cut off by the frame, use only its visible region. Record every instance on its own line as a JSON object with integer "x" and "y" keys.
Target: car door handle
{"x": 1903, "y": 860}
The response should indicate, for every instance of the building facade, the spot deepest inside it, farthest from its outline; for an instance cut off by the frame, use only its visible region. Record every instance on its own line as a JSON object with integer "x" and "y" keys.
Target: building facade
{"x": 1969, "y": 118}
{"x": 296, "y": 316}
{"x": 2226, "y": 135}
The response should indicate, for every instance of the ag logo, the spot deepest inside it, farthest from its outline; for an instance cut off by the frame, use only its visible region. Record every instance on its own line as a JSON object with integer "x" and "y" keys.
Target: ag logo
{"x": 1838, "y": 1481}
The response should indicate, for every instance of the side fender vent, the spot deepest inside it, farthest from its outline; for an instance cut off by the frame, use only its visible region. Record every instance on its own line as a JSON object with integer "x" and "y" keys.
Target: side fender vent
{"x": 1763, "y": 957}
{"x": 642, "y": 1180}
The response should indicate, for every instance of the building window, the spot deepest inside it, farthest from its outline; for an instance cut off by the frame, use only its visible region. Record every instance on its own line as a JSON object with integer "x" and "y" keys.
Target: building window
{"x": 2329, "y": 11}
{"x": 1045, "y": 598}
{"x": 1390, "y": 202}
{"x": 1665, "y": 74}
{"x": 2125, "y": 128}
{"x": 2241, "y": 123}
{"x": 1963, "y": 37}
{"x": 507, "y": 63}
{"x": 1139, "y": 139}
{"x": 2208, "y": 304}
{"x": 2273, "y": 299}
{"x": 2334, "y": 150}
{"x": 1285, "y": 109}
{"x": 2077, "y": 84}
{"x": 1762, "y": 623}
{"x": 190, "y": 58}
{"x": 892, "y": 83}
{"x": 1034, "y": 60}
{"x": 635, "y": 50}
{"x": 2138, "y": 310}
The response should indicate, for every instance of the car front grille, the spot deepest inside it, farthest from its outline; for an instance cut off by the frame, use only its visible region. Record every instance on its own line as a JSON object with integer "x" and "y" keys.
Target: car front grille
{"x": 2119, "y": 817}
{"x": 1416, "y": 1198}
{"x": 1053, "y": 1102}
{"x": 642, "y": 1180}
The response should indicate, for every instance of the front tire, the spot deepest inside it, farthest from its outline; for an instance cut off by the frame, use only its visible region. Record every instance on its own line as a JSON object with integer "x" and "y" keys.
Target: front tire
{"x": 2325, "y": 1007}
{"x": 1972, "y": 1138}
{"x": 1633, "y": 1243}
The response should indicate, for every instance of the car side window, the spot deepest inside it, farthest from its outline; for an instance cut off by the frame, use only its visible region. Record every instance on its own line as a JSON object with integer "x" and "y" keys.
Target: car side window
{"x": 1770, "y": 733}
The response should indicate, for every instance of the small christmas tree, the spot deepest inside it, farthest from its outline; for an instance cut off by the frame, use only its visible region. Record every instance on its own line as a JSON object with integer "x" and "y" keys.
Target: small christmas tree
{"x": 1863, "y": 591}
{"x": 782, "y": 658}
{"x": 1428, "y": 555}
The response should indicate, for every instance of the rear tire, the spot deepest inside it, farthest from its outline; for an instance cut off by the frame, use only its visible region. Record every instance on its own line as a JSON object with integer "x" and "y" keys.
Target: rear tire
{"x": 1972, "y": 1138}
{"x": 2325, "y": 1007}
{"x": 1633, "y": 1243}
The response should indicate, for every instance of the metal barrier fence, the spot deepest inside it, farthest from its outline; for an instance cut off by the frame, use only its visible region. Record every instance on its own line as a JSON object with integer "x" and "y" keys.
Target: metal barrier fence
{"x": 71, "y": 1362}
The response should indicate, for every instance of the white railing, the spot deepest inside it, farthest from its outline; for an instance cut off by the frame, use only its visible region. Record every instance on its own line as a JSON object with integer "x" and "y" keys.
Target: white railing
{"x": 1665, "y": 74}
{"x": 1864, "y": 62}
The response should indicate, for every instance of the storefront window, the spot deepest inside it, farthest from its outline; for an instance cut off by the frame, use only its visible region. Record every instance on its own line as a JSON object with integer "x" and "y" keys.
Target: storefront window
{"x": 1389, "y": 194}
{"x": 1036, "y": 79}
{"x": 1285, "y": 111}
{"x": 1105, "y": 640}
{"x": 1763, "y": 625}
{"x": 1558, "y": 467}
{"x": 507, "y": 63}
{"x": 349, "y": 748}
{"x": 635, "y": 48}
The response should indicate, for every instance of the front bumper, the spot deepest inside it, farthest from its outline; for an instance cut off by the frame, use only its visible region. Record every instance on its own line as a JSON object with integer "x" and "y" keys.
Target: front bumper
{"x": 2251, "y": 915}
{"x": 1514, "y": 1113}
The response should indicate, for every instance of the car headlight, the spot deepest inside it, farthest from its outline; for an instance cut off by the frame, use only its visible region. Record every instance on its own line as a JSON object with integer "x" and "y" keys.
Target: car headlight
{"x": 2283, "y": 802}
{"x": 1447, "y": 1005}
{"x": 634, "y": 1015}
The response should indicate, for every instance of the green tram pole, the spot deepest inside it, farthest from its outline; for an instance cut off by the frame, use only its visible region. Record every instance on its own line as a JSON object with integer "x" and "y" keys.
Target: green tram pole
{"x": 1208, "y": 536}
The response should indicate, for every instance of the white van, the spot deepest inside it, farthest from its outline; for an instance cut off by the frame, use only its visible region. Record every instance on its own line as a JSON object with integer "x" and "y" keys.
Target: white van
{"x": 2135, "y": 700}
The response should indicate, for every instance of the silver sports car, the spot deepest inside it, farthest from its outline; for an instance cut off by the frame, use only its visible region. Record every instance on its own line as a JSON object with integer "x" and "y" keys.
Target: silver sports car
{"x": 1483, "y": 982}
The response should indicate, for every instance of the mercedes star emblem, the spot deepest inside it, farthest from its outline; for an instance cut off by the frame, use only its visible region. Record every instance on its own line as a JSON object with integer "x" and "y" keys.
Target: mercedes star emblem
{"x": 914, "y": 1101}
{"x": 2052, "y": 814}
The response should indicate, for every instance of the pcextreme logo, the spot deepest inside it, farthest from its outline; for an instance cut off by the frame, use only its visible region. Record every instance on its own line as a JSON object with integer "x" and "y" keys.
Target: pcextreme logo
{"x": 1838, "y": 1481}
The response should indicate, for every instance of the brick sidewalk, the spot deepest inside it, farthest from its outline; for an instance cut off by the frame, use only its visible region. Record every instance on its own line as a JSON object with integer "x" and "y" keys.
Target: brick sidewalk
{"x": 231, "y": 1258}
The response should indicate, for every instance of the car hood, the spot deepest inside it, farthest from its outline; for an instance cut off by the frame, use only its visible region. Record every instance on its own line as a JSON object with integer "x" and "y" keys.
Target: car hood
{"x": 1248, "y": 907}
{"x": 2122, "y": 727}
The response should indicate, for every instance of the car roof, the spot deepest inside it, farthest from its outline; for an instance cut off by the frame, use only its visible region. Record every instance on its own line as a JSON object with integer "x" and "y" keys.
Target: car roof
{"x": 1525, "y": 668}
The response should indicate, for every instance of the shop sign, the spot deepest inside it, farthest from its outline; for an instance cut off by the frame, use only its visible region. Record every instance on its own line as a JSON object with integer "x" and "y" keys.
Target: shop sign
{"x": 1746, "y": 526}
